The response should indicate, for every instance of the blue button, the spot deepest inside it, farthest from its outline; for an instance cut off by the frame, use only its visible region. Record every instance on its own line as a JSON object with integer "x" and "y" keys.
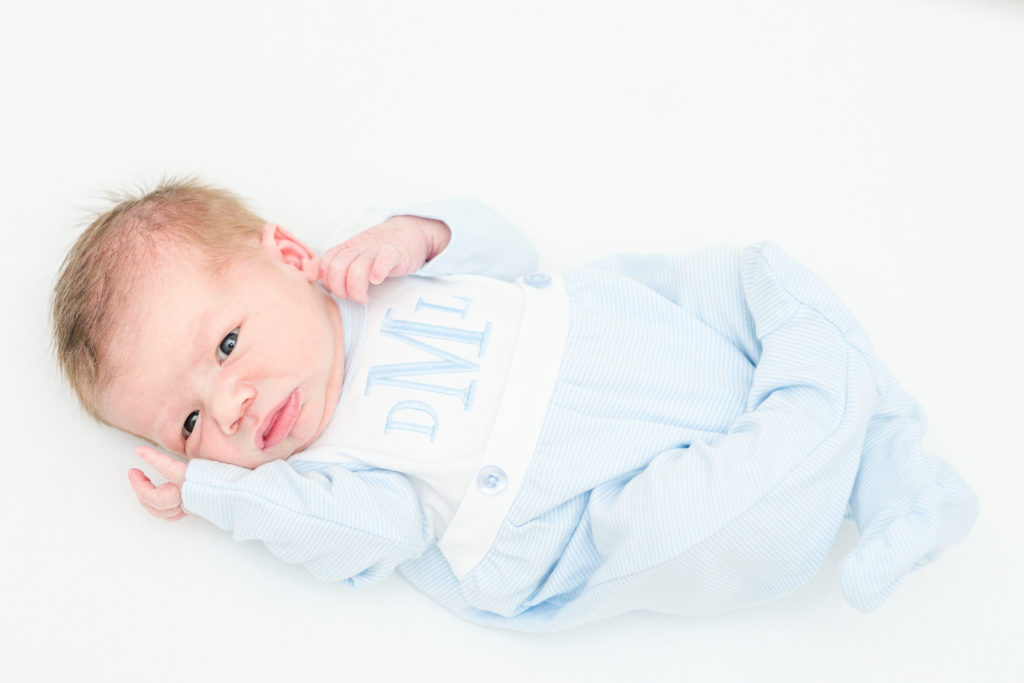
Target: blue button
{"x": 537, "y": 280}
{"x": 491, "y": 480}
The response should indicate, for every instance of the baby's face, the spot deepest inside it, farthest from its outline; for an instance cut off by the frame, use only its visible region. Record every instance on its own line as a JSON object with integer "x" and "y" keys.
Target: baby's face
{"x": 243, "y": 365}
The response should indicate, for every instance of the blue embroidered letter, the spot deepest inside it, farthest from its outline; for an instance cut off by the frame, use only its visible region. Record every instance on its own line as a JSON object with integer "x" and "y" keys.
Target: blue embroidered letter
{"x": 431, "y": 429}
{"x": 405, "y": 331}
{"x": 420, "y": 303}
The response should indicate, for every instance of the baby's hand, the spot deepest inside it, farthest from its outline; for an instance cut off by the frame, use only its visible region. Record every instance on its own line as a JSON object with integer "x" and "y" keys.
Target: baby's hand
{"x": 162, "y": 501}
{"x": 398, "y": 246}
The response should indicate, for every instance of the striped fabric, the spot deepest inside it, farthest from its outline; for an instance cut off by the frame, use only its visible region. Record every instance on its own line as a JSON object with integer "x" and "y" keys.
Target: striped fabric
{"x": 715, "y": 417}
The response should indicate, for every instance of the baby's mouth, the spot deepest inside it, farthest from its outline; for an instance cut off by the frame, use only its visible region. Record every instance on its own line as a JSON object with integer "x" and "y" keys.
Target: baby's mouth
{"x": 279, "y": 422}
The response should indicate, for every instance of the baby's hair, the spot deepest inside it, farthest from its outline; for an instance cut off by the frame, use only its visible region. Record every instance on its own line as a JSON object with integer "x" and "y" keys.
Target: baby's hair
{"x": 98, "y": 274}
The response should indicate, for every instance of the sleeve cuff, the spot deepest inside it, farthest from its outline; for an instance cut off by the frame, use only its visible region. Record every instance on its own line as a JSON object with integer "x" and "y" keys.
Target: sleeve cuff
{"x": 483, "y": 242}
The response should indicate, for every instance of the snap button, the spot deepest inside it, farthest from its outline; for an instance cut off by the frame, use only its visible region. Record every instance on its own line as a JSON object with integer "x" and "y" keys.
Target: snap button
{"x": 491, "y": 480}
{"x": 537, "y": 280}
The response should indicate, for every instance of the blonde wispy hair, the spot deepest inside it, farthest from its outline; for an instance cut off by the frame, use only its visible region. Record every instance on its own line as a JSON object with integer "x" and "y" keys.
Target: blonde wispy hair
{"x": 95, "y": 281}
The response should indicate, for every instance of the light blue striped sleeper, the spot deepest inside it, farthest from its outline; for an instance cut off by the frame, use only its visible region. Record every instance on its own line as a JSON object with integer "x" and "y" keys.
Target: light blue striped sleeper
{"x": 714, "y": 419}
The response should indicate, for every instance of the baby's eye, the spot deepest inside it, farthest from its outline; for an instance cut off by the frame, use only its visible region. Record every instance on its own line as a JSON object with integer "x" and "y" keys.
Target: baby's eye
{"x": 190, "y": 424}
{"x": 227, "y": 345}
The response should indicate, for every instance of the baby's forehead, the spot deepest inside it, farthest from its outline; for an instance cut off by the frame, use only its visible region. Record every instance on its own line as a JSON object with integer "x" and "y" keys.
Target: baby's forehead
{"x": 174, "y": 264}
{"x": 153, "y": 296}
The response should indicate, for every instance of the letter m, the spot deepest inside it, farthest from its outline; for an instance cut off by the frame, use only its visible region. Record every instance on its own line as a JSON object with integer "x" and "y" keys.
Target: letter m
{"x": 412, "y": 333}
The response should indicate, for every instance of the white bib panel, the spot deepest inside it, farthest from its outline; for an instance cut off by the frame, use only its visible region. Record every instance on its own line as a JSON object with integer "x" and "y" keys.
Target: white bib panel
{"x": 449, "y": 386}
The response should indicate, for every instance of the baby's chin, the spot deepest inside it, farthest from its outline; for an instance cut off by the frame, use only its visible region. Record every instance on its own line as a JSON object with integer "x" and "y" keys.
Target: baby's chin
{"x": 274, "y": 454}
{"x": 290, "y": 446}
{"x": 324, "y": 420}
{"x": 249, "y": 461}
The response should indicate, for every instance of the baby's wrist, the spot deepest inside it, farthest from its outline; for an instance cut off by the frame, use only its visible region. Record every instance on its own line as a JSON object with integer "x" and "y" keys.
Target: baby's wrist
{"x": 429, "y": 236}
{"x": 438, "y": 235}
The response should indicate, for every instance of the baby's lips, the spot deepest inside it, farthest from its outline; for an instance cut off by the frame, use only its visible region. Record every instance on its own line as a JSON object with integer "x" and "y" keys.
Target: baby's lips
{"x": 278, "y": 423}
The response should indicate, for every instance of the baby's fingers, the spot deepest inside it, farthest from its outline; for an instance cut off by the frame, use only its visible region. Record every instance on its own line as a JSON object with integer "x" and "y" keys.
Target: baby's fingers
{"x": 357, "y": 281}
{"x": 171, "y": 469}
{"x": 387, "y": 259}
{"x": 334, "y": 267}
{"x": 154, "y": 498}
{"x": 171, "y": 515}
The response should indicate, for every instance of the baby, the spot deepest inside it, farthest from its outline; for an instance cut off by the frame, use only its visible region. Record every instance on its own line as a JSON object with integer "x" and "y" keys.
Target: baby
{"x": 682, "y": 434}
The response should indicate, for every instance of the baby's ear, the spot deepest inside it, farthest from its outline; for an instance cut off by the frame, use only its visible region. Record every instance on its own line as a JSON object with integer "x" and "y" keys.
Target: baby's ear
{"x": 283, "y": 247}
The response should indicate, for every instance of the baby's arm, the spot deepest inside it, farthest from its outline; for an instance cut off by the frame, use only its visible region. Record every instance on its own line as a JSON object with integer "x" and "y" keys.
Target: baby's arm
{"x": 350, "y": 525}
{"x": 456, "y": 236}
{"x": 343, "y": 523}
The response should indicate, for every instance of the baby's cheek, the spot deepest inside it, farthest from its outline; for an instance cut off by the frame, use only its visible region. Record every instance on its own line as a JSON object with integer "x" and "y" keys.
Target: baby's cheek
{"x": 212, "y": 446}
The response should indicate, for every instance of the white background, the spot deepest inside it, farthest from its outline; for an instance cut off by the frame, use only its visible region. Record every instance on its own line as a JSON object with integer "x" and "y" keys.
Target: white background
{"x": 879, "y": 141}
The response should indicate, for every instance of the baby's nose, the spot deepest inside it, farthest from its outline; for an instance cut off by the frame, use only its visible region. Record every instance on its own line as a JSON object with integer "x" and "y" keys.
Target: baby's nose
{"x": 231, "y": 405}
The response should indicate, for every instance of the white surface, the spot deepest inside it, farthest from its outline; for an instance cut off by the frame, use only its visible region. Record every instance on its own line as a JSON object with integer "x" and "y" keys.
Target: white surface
{"x": 880, "y": 141}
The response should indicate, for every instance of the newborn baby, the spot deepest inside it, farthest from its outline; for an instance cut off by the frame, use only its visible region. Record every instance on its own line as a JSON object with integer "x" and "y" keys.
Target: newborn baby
{"x": 682, "y": 434}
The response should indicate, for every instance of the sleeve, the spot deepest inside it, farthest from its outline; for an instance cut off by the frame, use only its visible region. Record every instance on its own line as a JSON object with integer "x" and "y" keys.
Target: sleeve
{"x": 483, "y": 242}
{"x": 343, "y": 522}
